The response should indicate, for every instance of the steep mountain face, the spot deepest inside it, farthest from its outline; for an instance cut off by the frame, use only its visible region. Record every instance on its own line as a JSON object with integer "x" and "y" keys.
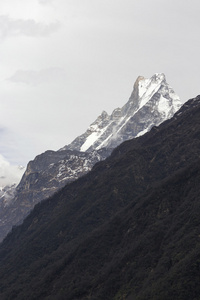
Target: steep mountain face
{"x": 129, "y": 229}
{"x": 151, "y": 102}
{"x": 46, "y": 174}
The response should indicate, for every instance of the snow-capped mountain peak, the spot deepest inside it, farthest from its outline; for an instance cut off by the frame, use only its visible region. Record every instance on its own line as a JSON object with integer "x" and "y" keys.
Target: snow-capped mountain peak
{"x": 151, "y": 102}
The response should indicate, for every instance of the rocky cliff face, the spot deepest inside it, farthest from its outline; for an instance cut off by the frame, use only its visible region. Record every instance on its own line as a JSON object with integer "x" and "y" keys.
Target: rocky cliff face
{"x": 152, "y": 102}
{"x": 45, "y": 175}
{"x": 51, "y": 170}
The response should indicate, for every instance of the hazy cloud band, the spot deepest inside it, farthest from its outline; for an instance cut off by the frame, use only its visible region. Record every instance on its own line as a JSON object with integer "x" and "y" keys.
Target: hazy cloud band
{"x": 32, "y": 77}
{"x": 14, "y": 27}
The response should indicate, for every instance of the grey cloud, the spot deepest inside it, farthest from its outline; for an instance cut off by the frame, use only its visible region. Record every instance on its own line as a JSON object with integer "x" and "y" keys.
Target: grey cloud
{"x": 31, "y": 77}
{"x": 15, "y": 27}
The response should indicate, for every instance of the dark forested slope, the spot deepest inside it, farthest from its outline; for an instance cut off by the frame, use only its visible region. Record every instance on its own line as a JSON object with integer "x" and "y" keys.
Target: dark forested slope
{"x": 129, "y": 229}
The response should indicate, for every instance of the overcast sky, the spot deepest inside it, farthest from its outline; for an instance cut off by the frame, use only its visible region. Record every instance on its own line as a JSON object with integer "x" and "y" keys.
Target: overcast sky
{"x": 62, "y": 62}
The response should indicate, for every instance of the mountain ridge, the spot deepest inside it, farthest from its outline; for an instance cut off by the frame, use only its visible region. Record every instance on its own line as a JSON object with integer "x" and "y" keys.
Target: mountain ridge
{"x": 129, "y": 229}
{"x": 151, "y": 102}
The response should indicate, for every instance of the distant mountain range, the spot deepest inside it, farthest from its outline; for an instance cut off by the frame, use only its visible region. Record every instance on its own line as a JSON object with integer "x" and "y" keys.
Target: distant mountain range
{"x": 151, "y": 102}
{"x": 129, "y": 229}
{"x": 10, "y": 176}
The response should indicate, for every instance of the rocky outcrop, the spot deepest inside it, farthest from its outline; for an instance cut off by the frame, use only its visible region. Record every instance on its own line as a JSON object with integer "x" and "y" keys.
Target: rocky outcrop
{"x": 45, "y": 175}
